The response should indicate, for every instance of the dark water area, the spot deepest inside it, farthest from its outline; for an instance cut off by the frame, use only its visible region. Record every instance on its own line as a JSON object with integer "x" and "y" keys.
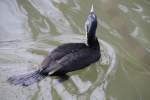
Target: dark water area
{"x": 29, "y": 29}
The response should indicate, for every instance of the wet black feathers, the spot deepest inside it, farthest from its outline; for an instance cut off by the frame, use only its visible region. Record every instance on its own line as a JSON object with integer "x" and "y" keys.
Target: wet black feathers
{"x": 69, "y": 57}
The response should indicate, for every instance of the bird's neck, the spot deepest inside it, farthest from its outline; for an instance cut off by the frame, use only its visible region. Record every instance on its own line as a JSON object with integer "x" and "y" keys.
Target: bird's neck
{"x": 92, "y": 42}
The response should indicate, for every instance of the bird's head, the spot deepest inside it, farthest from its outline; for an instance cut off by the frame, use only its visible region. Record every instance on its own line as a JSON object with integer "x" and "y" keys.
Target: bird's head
{"x": 91, "y": 23}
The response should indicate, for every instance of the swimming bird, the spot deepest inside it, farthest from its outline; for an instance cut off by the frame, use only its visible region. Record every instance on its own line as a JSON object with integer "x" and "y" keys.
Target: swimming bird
{"x": 66, "y": 57}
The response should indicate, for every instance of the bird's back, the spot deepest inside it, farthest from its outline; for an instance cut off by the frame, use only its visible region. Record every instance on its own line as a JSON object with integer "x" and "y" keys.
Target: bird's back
{"x": 69, "y": 57}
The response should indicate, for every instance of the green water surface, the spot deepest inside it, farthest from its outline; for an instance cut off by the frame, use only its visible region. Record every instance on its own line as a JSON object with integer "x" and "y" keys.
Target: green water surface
{"x": 29, "y": 29}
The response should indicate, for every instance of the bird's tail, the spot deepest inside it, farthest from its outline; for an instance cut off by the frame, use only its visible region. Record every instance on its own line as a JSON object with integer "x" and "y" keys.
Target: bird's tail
{"x": 26, "y": 80}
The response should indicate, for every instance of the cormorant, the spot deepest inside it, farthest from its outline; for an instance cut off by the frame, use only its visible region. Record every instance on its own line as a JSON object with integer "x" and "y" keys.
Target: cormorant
{"x": 67, "y": 57}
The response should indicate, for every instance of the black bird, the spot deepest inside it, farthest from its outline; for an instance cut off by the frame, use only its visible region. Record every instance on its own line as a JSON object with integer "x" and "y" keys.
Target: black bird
{"x": 67, "y": 57}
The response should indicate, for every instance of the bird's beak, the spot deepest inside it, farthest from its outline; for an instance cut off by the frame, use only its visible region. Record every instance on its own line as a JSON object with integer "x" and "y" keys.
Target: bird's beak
{"x": 92, "y": 9}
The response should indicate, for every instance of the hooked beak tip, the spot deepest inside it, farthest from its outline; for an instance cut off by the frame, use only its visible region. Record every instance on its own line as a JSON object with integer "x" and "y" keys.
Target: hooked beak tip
{"x": 92, "y": 9}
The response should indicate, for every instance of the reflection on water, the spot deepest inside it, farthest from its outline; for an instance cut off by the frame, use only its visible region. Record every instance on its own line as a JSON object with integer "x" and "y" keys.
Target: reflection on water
{"x": 29, "y": 29}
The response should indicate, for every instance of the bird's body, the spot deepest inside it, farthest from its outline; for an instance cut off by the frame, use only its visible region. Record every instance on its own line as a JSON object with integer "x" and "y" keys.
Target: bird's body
{"x": 69, "y": 57}
{"x": 66, "y": 57}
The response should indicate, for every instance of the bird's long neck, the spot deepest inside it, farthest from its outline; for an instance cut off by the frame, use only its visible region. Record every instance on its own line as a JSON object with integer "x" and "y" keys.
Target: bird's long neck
{"x": 92, "y": 42}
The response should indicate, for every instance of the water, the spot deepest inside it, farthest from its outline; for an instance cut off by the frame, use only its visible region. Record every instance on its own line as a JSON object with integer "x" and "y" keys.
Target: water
{"x": 29, "y": 29}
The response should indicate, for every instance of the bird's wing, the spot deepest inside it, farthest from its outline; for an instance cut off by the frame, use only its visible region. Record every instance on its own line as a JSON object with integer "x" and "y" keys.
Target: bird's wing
{"x": 71, "y": 61}
{"x": 64, "y": 49}
{"x": 60, "y": 52}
